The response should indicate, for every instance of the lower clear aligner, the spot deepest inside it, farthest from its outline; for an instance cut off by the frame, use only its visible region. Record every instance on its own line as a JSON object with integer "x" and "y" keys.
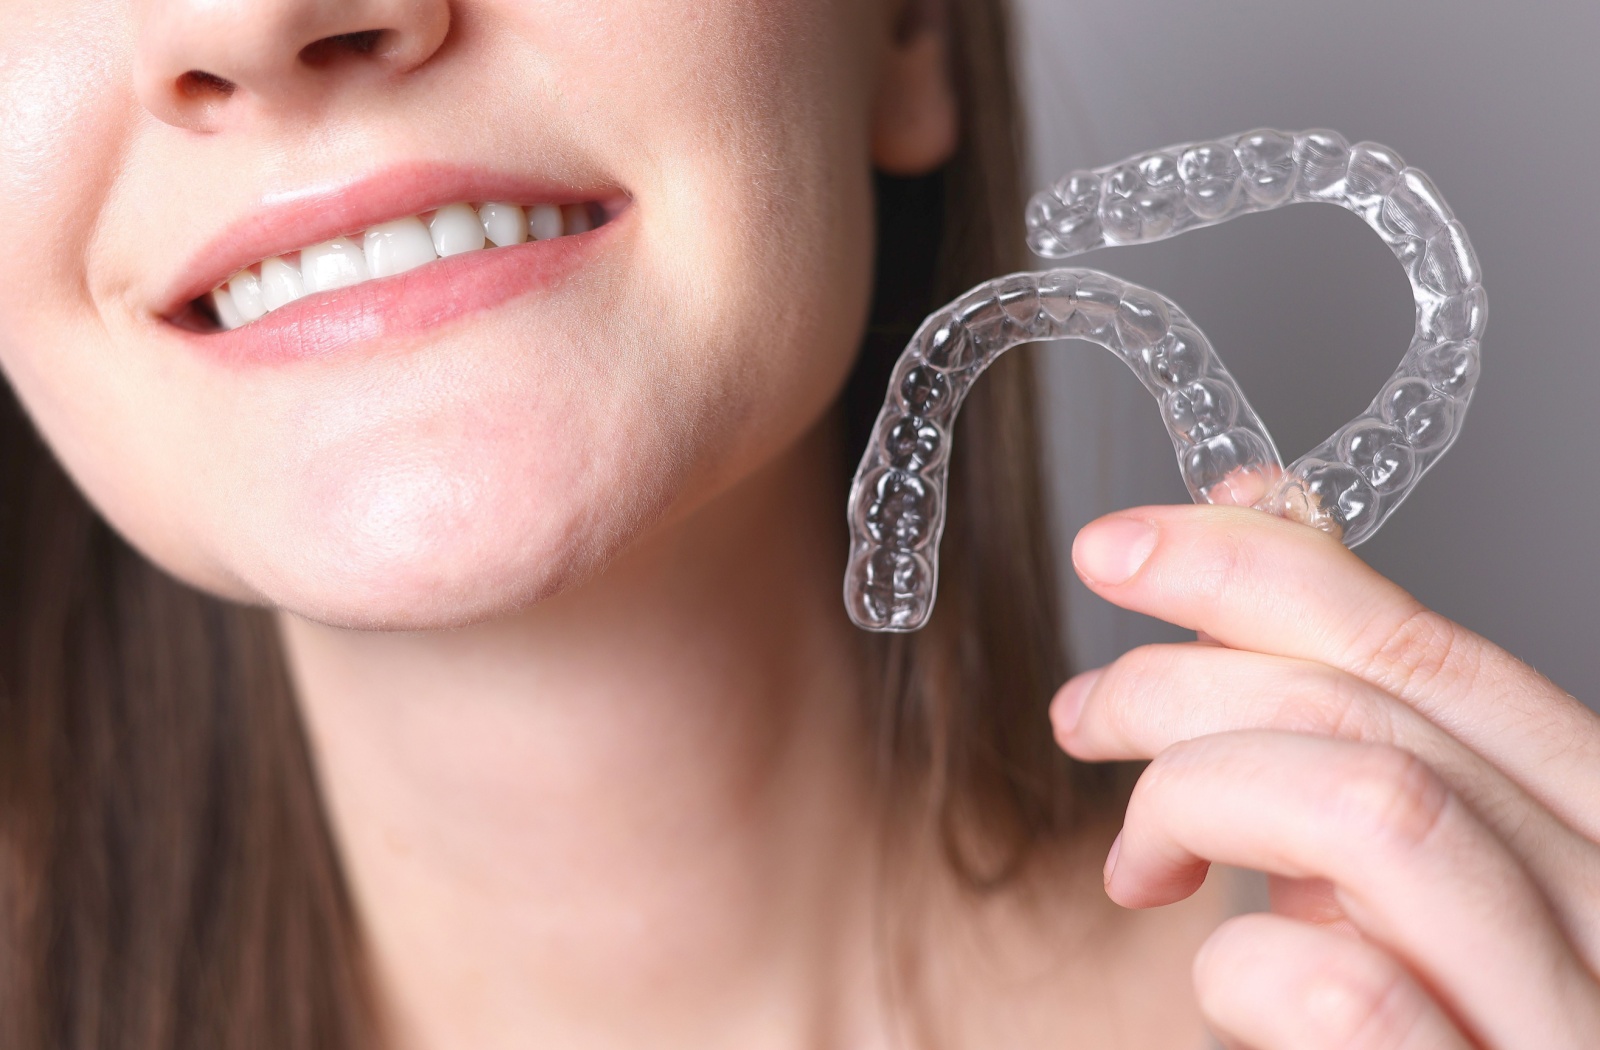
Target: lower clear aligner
{"x": 1347, "y": 486}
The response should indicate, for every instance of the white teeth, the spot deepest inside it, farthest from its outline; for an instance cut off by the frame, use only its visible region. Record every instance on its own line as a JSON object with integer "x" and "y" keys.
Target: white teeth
{"x": 245, "y": 288}
{"x": 388, "y": 249}
{"x": 576, "y": 217}
{"x": 227, "y": 313}
{"x": 395, "y": 247}
{"x": 456, "y": 228}
{"x": 505, "y": 224}
{"x": 544, "y": 222}
{"x": 280, "y": 283}
{"x": 338, "y": 263}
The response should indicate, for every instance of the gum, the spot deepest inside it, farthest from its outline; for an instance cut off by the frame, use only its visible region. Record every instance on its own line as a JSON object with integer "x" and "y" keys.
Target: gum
{"x": 1346, "y": 486}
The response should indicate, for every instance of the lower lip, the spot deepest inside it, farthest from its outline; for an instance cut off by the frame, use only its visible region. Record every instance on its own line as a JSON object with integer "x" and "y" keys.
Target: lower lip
{"x": 391, "y": 308}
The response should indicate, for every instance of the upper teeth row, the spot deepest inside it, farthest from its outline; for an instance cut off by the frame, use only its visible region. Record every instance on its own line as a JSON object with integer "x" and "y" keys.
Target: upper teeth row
{"x": 387, "y": 249}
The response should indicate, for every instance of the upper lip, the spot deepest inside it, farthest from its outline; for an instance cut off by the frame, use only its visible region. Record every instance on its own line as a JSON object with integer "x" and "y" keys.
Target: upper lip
{"x": 286, "y": 222}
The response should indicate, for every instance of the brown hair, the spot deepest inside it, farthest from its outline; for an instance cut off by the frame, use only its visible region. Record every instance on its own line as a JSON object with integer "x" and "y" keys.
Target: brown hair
{"x": 168, "y": 878}
{"x": 962, "y": 704}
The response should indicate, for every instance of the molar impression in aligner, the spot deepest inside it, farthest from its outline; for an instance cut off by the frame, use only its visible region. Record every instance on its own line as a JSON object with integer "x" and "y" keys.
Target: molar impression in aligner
{"x": 1347, "y": 486}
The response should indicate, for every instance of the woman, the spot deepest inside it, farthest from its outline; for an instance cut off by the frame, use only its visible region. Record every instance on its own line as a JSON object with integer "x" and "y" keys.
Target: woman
{"x": 506, "y": 698}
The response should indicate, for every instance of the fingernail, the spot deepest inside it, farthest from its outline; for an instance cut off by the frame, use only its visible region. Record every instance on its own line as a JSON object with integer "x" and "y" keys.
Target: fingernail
{"x": 1068, "y": 706}
{"x": 1111, "y": 550}
{"x": 1111, "y": 858}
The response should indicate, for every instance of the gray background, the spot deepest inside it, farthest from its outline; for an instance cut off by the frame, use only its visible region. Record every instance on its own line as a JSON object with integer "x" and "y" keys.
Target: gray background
{"x": 1500, "y": 103}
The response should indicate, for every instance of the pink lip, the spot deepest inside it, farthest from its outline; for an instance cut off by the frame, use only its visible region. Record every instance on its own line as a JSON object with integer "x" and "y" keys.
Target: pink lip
{"x": 324, "y": 322}
{"x": 327, "y": 323}
{"x": 289, "y": 222}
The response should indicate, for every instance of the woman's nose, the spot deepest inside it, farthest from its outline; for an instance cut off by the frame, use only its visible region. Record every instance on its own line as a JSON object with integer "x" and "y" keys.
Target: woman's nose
{"x": 203, "y": 64}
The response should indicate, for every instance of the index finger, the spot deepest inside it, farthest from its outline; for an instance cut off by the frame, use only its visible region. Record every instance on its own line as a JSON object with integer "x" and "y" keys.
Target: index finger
{"x": 1252, "y": 581}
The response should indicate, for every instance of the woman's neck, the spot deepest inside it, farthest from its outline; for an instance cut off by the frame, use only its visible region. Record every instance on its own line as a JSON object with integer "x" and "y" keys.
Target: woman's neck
{"x": 639, "y": 813}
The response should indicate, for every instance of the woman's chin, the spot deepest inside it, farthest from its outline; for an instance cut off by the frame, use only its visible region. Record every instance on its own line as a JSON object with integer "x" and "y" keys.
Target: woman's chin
{"x": 410, "y": 601}
{"x": 426, "y": 546}
{"x": 437, "y": 584}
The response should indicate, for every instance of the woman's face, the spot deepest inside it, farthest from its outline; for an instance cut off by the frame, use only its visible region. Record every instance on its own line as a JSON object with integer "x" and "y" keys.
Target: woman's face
{"x": 472, "y": 435}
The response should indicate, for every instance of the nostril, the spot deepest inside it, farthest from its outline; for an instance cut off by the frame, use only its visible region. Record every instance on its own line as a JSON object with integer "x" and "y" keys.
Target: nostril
{"x": 197, "y": 83}
{"x": 330, "y": 49}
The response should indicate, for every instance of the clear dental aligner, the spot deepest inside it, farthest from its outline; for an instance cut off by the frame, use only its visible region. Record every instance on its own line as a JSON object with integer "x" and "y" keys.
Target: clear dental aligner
{"x": 1347, "y": 486}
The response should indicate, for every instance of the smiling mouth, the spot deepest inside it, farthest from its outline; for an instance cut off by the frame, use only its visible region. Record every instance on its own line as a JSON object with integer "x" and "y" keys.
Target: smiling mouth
{"x": 385, "y": 250}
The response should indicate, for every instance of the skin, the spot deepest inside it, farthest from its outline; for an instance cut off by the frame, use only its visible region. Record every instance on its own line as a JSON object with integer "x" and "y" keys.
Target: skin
{"x": 1427, "y": 805}
{"x": 594, "y": 763}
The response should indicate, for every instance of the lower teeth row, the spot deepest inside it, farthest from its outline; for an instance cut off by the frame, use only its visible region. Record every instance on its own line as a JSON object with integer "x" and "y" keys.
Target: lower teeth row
{"x": 388, "y": 249}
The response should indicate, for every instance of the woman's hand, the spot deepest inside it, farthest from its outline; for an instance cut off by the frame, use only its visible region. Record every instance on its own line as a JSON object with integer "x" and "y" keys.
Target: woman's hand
{"x": 1428, "y": 806}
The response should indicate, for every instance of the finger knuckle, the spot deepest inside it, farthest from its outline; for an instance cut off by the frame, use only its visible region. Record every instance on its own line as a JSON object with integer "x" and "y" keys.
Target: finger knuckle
{"x": 1423, "y": 648}
{"x": 1330, "y": 703}
{"x": 1392, "y": 799}
{"x": 1361, "y": 1004}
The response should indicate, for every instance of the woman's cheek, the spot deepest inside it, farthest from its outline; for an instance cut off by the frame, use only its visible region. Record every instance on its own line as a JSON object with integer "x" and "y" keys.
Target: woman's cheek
{"x": 65, "y": 129}
{"x": 61, "y": 117}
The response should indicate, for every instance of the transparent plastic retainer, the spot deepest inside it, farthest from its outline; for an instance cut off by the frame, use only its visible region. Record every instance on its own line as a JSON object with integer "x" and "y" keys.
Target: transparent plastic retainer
{"x": 1347, "y": 486}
